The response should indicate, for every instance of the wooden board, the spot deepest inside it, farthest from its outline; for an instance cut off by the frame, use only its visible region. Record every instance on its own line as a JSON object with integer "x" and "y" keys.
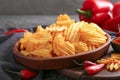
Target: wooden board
{"x": 102, "y": 75}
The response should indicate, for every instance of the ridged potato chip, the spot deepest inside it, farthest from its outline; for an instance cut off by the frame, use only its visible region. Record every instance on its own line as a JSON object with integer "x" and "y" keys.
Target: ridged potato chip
{"x": 63, "y": 38}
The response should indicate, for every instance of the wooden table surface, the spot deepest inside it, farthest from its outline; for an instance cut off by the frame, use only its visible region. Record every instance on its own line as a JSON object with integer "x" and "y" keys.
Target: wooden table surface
{"x": 102, "y": 75}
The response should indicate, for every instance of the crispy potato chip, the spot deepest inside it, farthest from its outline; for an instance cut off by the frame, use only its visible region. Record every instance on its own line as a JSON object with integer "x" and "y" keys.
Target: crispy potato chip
{"x": 35, "y": 40}
{"x": 62, "y": 52}
{"x": 59, "y": 44}
{"x": 80, "y": 47}
{"x": 41, "y": 53}
{"x": 98, "y": 29}
{"x": 73, "y": 32}
{"x": 112, "y": 63}
{"x": 64, "y": 20}
{"x": 116, "y": 56}
{"x": 25, "y": 53}
{"x": 62, "y": 38}
{"x": 70, "y": 46}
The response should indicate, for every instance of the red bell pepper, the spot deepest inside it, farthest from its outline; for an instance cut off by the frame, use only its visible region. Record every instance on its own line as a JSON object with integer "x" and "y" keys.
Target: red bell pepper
{"x": 112, "y": 24}
{"x": 97, "y": 11}
{"x": 97, "y": 6}
{"x": 116, "y": 9}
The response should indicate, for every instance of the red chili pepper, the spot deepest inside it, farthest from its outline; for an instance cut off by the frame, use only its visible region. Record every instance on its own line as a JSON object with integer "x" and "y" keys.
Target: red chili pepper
{"x": 25, "y": 74}
{"x": 97, "y": 11}
{"x": 91, "y": 70}
{"x": 112, "y": 24}
{"x": 116, "y": 9}
{"x": 14, "y": 31}
{"x": 94, "y": 69}
{"x": 85, "y": 63}
{"x": 88, "y": 63}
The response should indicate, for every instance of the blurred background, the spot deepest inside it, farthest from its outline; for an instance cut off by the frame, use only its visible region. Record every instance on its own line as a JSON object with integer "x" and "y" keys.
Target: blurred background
{"x": 39, "y": 7}
{"x": 30, "y": 13}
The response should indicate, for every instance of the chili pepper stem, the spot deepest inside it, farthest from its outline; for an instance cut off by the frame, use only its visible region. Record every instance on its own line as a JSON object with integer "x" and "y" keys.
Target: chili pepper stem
{"x": 18, "y": 73}
{"x": 85, "y": 13}
{"x": 80, "y": 64}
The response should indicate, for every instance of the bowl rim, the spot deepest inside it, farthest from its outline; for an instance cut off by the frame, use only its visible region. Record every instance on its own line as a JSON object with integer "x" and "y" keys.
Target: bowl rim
{"x": 62, "y": 57}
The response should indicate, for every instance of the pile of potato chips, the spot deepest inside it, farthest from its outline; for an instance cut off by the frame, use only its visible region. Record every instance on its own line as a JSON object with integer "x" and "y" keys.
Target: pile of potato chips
{"x": 62, "y": 38}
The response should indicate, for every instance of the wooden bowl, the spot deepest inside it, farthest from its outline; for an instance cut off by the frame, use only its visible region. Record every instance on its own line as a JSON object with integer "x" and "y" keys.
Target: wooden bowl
{"x": 59, "y": 62}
